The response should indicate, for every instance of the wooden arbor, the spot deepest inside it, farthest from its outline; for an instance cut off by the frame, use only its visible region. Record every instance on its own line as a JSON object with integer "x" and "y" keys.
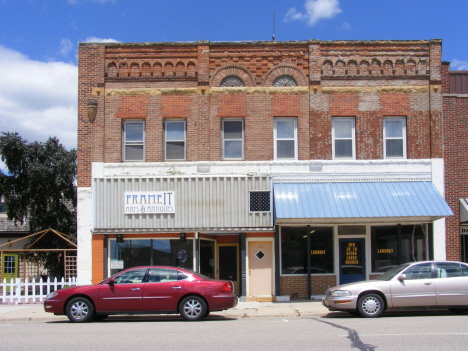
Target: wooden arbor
{"x": 14, "y": 261}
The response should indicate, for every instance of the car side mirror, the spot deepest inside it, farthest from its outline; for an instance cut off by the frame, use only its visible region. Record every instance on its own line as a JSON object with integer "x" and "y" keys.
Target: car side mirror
{"x": 111, "y": 282}
{"x": 402, "y": 277}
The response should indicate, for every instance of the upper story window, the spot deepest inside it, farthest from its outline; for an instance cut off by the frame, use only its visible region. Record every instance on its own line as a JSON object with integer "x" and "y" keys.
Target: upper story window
{"x": 134, "y": 141}
{"x": 394, "y": 133}
{"x": 285, "y": 135}
{"x": 232, "y": 81}
{"x": 343, "y": 131}
{"x": 175, "y": 140}
{"x": 233, "y": 139}
{"x": 285, "y": 81}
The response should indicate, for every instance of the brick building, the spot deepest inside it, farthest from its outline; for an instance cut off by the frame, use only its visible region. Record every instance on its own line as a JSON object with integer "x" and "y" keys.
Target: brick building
{"x": 286, "y": 167}
{"x": 455, "y": 95}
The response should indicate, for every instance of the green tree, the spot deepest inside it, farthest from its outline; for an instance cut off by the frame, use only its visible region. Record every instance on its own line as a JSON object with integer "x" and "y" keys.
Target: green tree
{"x": 39, "y": 186}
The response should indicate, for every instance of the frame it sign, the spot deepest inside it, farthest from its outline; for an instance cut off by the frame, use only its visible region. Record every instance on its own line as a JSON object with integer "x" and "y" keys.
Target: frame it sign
{"x": 143, "y": 202}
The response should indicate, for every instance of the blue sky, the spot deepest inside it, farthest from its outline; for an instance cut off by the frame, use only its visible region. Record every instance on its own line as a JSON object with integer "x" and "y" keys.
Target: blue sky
{"x": 39, "y": 40}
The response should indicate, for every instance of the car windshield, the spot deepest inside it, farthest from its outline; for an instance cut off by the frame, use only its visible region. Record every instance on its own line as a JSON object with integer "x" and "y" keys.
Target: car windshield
{"x": 388, "y": 275}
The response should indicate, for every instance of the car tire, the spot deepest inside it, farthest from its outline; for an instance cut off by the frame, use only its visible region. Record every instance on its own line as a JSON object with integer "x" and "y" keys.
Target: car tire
{"x": 193, "y": 308}
{"x": 99, "y": 317}
{"x": 370, "y": 305}
{"x": 458, "y": 310}
{"x": 79, "y": 310}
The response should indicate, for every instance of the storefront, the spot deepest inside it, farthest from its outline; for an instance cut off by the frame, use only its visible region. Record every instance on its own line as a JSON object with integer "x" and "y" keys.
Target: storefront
{"x": 353, "y": 231}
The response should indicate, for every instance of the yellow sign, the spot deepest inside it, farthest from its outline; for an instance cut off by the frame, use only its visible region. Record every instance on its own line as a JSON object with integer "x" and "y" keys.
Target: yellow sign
{"x": 318, "y": 252}
{"x": 385, "y": 251}
{"x": 351, "y": 254}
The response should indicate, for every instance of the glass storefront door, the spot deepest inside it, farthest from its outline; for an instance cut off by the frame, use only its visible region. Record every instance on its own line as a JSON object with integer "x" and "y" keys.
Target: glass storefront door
{"x": 352, "y": 260}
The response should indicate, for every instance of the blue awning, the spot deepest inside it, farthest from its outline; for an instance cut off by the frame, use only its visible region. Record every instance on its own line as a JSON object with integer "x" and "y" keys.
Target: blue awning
{"x": 359, "y": 201}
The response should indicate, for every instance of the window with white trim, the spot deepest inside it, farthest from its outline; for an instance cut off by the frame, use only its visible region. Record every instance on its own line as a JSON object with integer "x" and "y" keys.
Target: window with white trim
{"x": 174, "y": 140}
{"x": 394, "y": 134}
{"x": 343, "y": 132}
{"x": 285, "y": 136}
{"x": 134, "y": 141}
{"x": 233, "y": 139}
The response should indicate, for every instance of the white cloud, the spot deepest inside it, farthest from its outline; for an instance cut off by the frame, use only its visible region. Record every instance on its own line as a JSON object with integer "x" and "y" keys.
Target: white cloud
{"x": 38, "y": 99}
{"x": 457, "y": 65}
{"x": 346, "y": 26}
{"x": 315, "y": 11}
{"x": 65, "y": 47}
{"x": 100, "y": 40}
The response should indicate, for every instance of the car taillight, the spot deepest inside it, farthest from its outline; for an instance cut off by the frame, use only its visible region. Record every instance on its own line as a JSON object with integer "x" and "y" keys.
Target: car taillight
{"x": 226, "y": 287}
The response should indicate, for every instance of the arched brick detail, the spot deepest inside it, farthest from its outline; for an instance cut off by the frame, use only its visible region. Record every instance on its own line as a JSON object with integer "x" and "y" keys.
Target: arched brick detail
{"x": 340, "y": 68}
{"x": 399, "y": 68}
{"x": 388, "y": 68}
{"x": 233, "y": 70}
{"x": 411, "y": 68}
{"x": 376, "y": 67}
{"x": 180, "y": 69}
{"x": 191, "y": 69}
{"x": 327, "y": 68}
{"x": 284, "y": 70}
{"x": 112, "y": 70}
{"x": 146, "y": 69}
{"x": 364, "y": 68}
{"x": 352, "y": 68}
{"x": 157, "y": 69}
{"x": 134, "y": 69}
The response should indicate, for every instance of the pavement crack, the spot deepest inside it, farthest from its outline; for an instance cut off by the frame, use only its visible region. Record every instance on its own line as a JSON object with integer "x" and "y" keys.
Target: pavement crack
{"x": 352, "y": 335}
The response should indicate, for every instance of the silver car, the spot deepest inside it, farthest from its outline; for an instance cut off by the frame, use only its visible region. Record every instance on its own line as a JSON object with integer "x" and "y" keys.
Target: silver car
{"x": 425, "y": 284}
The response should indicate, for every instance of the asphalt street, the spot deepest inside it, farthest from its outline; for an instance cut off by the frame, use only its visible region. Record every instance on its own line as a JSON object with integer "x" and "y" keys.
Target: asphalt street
{"x": 436, "y": 330}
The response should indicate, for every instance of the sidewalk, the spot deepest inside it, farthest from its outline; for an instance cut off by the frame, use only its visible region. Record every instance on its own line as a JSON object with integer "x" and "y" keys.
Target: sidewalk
{"x": 35, "y": 312}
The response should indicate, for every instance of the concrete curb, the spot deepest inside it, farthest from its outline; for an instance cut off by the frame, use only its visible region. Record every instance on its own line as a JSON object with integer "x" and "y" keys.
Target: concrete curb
{"x": 35, "y": 312}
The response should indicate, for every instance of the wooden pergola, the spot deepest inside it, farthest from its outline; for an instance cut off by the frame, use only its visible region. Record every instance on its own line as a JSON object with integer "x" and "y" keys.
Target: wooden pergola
{"x": 68, "y": 254}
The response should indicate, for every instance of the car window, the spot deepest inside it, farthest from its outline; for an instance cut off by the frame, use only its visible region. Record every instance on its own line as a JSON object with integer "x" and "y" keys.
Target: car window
{"x": 163, "y": 275}
{"x": 419, "y": 271}
{"x": 464, "y": 269}
{"x": 449, "y": 270}
{"x": 131, "y": 277}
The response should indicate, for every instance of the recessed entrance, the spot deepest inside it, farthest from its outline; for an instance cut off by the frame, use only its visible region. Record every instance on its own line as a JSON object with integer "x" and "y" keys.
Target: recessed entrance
{"x": 352, "y": 260}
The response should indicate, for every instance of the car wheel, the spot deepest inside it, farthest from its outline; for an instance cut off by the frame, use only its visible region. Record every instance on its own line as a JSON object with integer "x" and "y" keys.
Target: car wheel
{"x": 80, "y": 310}
{"x": 99, "y": 317}
{"x": 193, "y": 308}
{"x": 370, "y": 305}
{"x": 458, "y": 310}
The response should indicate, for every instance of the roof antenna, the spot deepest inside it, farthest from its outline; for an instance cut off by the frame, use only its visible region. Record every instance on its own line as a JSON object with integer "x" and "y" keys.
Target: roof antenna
{"x": 273, "y": 26}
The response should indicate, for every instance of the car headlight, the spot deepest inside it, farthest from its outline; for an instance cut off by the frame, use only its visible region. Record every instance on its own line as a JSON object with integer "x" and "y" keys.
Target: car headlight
{"x": 51, "y": 295}
{"x": 339, "y": 293}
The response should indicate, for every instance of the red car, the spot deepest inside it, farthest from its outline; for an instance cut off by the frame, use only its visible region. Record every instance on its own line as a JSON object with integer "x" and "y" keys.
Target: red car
{"x": 144, "y": 290}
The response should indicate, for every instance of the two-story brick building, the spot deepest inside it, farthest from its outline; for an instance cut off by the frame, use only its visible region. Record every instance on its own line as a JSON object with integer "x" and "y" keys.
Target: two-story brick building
{"x": 286, "y": 167}
{"x": 455, "y": 96}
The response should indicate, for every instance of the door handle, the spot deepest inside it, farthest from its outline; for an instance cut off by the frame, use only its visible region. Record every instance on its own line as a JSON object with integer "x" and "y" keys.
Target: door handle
{"x": 135, "y": 289}
{"x": 428, "y": 283}
{"x": 176, "y": 287}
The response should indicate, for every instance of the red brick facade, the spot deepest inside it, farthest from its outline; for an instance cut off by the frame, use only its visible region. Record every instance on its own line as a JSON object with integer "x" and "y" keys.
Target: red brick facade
{"x": 365, "y": 80}
{"x": 456, "y": 162}
{"x": 153, "y": 82}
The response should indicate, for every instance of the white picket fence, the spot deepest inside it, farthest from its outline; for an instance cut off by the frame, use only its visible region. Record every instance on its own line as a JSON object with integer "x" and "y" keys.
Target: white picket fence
{"x": 18, "y": 292}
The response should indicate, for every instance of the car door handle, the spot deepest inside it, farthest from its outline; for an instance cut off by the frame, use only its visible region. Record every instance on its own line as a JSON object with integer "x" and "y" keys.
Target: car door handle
{"x": 135, "y": 289}
{"x": 428, "y": 283}
{"x": 176, "y": 287}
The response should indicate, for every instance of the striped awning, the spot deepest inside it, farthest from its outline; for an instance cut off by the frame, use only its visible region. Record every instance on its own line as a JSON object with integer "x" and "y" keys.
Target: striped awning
{"x": 359, "y": 200}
